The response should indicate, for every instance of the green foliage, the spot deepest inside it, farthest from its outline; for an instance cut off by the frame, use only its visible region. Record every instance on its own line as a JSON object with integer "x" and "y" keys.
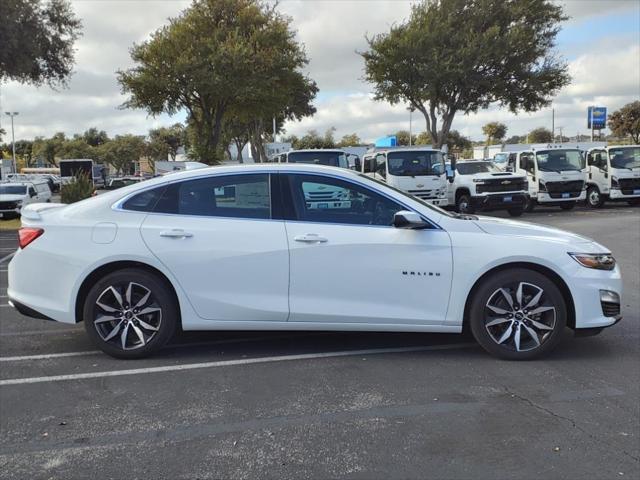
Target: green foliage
{"x": 79, "y": 188}
{"x": 540, "y": 135}
{"x": 495, "y": 131}
{"x": 314, "y": 140}
{"x": 459, "y": 56}
{"x": 514, "y": 139}
{"x": 456, "y": 142}
{"x": 36, "y": 40}
{"x": 402, "y": 138}
{"x": 216, "y": 56}
{"x": 351, "y": 140}
{"x": 164, "y": 142}
{"x": 95, "y": 137}
{"x": 121, "y": 152}
{"x": 626, "y": 121}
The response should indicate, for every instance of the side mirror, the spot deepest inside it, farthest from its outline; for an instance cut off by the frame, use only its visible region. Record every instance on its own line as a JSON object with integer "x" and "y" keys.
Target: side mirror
{"x": 409, "y": 220}
{"x": 32, "y": 193}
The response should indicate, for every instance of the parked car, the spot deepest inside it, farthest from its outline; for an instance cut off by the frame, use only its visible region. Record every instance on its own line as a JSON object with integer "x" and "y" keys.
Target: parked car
{"x": 613, "y": 174}
{"x": 119, "y": 182}
{"x": 480, "y": 185}
{"x": 14, "y": 196}
{"x": 238, "y": 248}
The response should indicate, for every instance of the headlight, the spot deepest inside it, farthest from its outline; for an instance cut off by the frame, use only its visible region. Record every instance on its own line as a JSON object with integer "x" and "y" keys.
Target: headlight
{"x": 541, "y": 186}
{"x": 614, "y": 182}
{"x": 599, "y": 261}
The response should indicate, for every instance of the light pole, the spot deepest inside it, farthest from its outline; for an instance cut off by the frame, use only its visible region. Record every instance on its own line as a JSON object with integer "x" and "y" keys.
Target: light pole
{"x": 13, "y": 139}
{"x": 411, "y": 109}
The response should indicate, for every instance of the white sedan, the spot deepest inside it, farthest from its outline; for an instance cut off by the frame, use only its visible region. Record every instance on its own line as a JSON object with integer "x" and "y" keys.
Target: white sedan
{"x": 240, "y": 248}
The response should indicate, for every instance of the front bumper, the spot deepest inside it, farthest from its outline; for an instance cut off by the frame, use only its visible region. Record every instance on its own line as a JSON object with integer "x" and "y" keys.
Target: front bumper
{"x": 497, "y": 201}
{"x": 592, "y": 309}
{"x": 544, "y": 197}
{"x": 440, "y": 202}
{"x": 617, "y": 194}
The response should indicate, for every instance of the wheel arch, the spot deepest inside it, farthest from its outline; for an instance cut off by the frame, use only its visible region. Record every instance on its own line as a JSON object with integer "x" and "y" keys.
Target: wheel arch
{"x": 552, "y": 275}
{"x": 462, "y": 191}
{"x": 110, "y": 267}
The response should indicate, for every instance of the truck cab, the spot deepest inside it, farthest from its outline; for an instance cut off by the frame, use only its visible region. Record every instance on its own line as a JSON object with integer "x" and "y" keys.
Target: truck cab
{"x": 481, "y": 185}
{"x": 14, "y": 196}
{"x": 613, "y": 174}
{"x": 418, "y": 171}
{"x": 555, "y": 176}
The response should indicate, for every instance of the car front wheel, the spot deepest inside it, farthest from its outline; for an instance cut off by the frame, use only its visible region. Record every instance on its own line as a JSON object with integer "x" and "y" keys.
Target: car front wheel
{"x": 130, "y": 313}
{"x": 463, "y": 204}
{"x": 518, "y": 314}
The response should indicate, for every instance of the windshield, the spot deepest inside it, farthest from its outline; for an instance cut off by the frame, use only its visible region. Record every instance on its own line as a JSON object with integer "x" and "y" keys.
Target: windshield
{"x": 559, "y": 160}
{"x": 415, "y": 163}
{"x": 412, "y": 197}
{"x": 331, "y": 159}
{"x": 625, "y": 157}
{"x": 471, "y": 168}
{"x": 13, "y": 190}
{"x": 501, "y": 157}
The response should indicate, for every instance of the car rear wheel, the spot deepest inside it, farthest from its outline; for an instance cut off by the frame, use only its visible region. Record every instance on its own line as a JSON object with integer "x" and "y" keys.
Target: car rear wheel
{"x": 463, "y": 204}
{"x": 130, "y": 313}
{"x": 594, "y": 198}
{"x": 518, "y": 314}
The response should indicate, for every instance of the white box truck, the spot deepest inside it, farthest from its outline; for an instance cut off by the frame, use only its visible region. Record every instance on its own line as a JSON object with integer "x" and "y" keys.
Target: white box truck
{"x": 613, "y": 174}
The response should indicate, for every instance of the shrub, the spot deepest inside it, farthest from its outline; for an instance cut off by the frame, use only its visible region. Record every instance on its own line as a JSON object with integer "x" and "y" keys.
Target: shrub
{"x": 79, "y": 188}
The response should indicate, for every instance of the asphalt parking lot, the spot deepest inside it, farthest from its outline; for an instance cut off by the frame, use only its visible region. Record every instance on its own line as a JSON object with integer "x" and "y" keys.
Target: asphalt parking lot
{"x": 228, "y": 405}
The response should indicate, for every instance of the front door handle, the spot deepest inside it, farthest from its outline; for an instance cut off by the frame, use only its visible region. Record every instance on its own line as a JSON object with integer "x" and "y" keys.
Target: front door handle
{"x": 310, "y": 238}
{"x": 175, "y": 233}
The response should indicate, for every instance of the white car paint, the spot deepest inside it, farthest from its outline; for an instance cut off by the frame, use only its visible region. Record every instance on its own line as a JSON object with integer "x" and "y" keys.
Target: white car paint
{"x": 254, "y": 274}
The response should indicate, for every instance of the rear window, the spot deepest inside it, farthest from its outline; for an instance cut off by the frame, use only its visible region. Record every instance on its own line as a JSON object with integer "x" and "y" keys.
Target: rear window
{"x": 144, "y": 201}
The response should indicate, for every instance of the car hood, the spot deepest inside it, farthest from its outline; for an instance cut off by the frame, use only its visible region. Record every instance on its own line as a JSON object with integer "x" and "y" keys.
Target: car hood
{"x": 498, "y": 176}
{"x": 500, "y": 226}
{"x": 11, "y": 198}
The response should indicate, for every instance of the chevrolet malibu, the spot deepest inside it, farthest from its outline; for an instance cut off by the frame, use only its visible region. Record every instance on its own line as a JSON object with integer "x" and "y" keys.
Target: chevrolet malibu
{"x": 245, "y": 248}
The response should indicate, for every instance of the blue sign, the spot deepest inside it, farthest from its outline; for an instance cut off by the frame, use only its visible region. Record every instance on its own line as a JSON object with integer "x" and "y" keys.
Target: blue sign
{"x": 597, "y": 116}
{"x": 390, "y": 141}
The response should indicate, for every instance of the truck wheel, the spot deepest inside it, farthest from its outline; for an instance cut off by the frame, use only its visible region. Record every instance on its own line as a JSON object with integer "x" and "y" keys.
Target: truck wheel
{"x": 516, "y": 212}
{"x": 463, "y": 204}
{"x": 130, "y": 313}
{"x": 568, "y": 206}
{"x": 594, "y": 197}
{"x": 518, "y": 314}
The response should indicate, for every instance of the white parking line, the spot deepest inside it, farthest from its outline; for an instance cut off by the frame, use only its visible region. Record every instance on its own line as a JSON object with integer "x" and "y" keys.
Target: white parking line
{"x": 47, "y": 356}
{"x": 40, "y": 332}
{"x": 228, "y": 363}
{"x": 7, "y": 257}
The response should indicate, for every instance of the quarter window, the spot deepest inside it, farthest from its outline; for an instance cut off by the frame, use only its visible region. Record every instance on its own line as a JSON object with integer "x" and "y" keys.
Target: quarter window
{"x": 331, "y": 200}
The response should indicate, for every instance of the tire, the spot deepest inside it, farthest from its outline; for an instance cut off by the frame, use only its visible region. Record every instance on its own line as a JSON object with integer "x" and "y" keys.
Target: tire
{"x": 107, "y": 310}
{"x": 529, "y": 205}
{"x": 635, "y": 202}
{"x": 463, "y": 204}
{"x": 516, "y": 212}
{"x": 538, "y": 333}
{"x": 594, "y": 197}
{"x": 568, "y": 206}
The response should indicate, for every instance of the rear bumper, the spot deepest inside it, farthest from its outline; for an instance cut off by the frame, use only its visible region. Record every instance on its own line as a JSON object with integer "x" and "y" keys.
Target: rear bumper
{"x": 28, "y": 311}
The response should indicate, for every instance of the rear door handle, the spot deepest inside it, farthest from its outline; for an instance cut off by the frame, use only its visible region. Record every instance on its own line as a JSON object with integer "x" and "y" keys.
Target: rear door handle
{"x": 310, "y": 238}
{"x": 175, "y": 233}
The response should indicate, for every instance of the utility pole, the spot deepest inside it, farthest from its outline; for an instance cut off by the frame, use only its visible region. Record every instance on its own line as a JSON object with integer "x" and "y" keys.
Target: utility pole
{"x": 411, "y": 109}
{"x": 13, "y": 140}
{"x": 553, "y": 124}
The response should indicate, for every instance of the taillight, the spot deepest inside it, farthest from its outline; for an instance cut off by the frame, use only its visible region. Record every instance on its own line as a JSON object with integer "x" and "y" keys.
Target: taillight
{"x": 26, "y": 235}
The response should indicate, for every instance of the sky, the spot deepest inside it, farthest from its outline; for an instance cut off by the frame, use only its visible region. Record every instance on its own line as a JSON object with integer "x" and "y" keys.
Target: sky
{"x": 601, "y": 43}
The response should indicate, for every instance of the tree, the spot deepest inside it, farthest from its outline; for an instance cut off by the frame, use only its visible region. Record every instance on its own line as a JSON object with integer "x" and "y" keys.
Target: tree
{"x": 351, "y": 140}
{"x": 402, "y": 138}
{"x": 459, "y": 56}
{"x": 220, "y": 55}
{"x": 24, "y": 150}
{"x": 36, "y": 41}
{"x": 423, "y": 138}
{"x": 540, "y": 135}
{"x": 164, "y": 142}
{"x": 626, "y": 121}
{"x": 95, "y": 137}
{"x": 48, "y": 148}
{"x": 122, "y": 151}
{"x": 313, "y": 140}
{"x": 75, "y": 148}
{"x": 495, "y": 131}
{"x": 514, "y": 139}
{"x": 456, "y": 142}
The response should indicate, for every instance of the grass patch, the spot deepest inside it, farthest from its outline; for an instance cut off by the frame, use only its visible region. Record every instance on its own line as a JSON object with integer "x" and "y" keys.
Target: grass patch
{"x": 11, "y": 224}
